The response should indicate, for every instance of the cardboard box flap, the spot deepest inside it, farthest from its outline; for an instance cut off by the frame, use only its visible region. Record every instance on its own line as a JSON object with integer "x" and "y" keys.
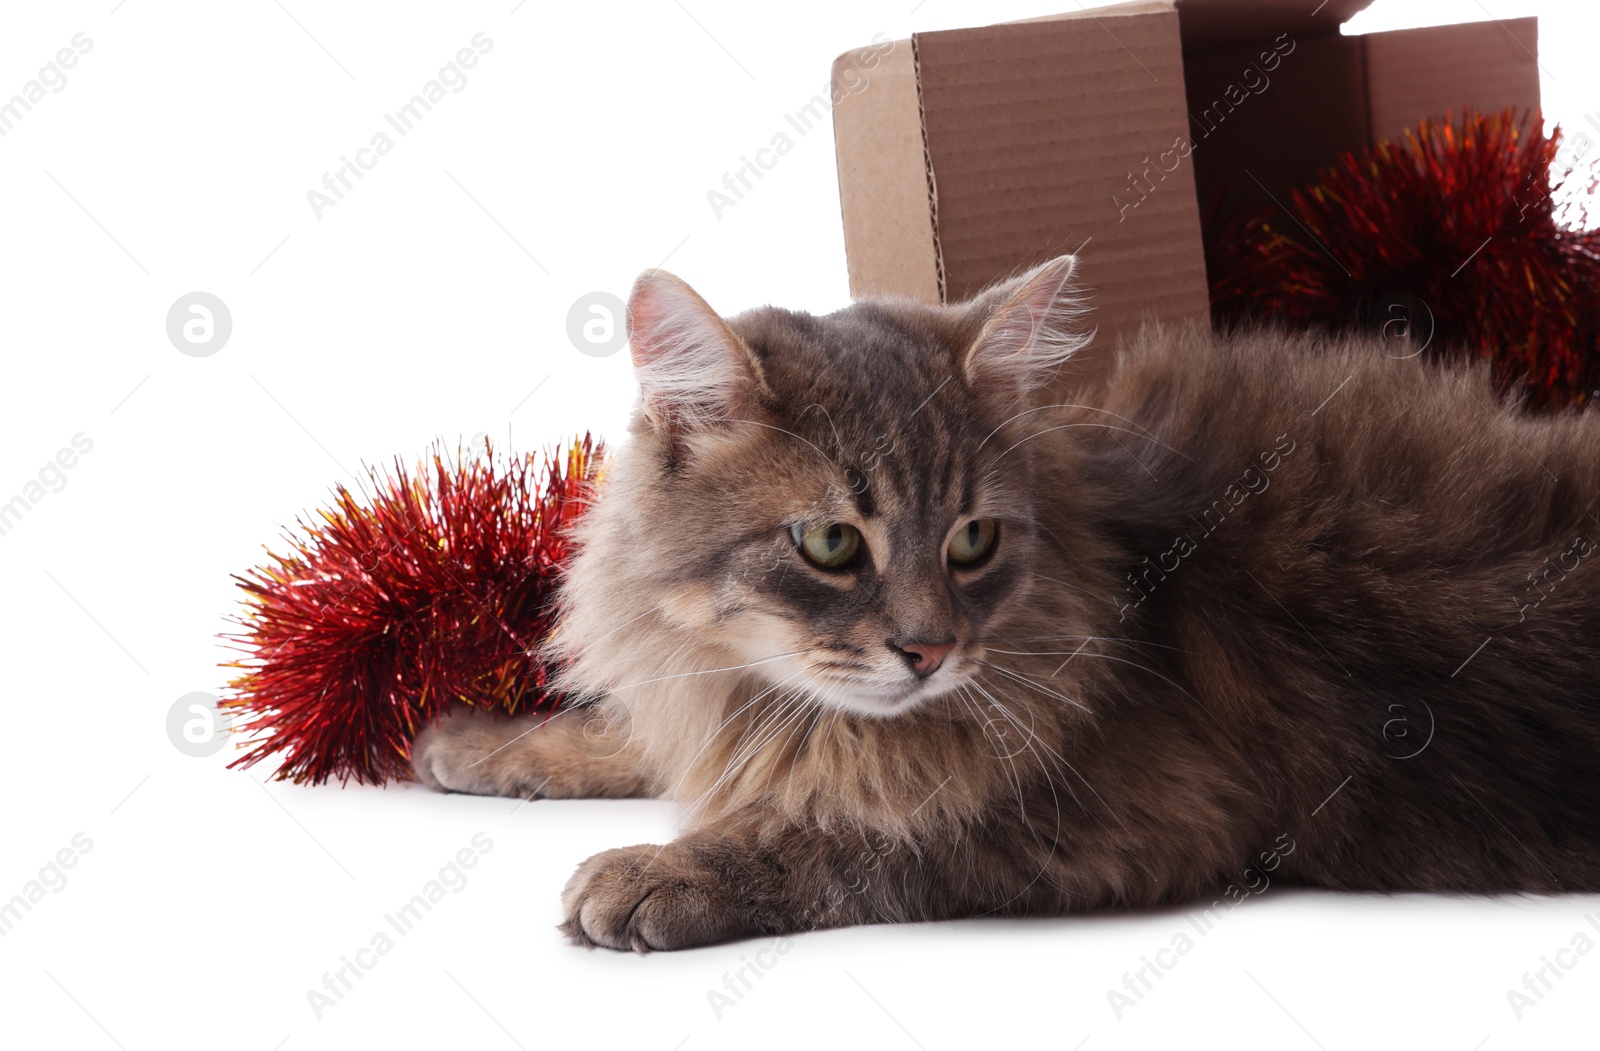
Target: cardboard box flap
{"x": 1031, "y": 130}
{"x": 1210, "y": 24}
{"x": 885, "y": 188}
{"x": 1413, "y": 74}
{"x": 1248, "y": 119}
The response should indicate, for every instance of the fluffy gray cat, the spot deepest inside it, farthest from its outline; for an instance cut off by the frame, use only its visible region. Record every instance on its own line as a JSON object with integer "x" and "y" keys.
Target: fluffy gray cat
{"x": 910, "y": 644}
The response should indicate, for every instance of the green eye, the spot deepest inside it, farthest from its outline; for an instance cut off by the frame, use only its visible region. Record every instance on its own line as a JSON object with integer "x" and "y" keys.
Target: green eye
{"x": 973, "y": 541}
{"x": 832, "y": 545}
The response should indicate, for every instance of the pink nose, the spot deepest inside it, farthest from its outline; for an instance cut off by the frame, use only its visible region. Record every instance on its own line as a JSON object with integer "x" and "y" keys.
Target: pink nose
{"x": 925, "y": 657}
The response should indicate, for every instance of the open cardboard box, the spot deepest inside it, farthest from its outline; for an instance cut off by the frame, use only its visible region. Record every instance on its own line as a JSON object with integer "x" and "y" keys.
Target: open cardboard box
{"x": 965, "y": 155}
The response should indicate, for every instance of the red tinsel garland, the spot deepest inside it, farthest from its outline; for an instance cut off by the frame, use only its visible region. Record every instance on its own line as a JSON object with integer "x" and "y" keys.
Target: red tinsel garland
{"x": 1452, "y": 231}
{"x": 436, "y": 592}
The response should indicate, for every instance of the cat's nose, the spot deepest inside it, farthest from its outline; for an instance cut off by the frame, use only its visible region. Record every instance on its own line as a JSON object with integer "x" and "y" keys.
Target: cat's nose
{"x": 924, "y": 657}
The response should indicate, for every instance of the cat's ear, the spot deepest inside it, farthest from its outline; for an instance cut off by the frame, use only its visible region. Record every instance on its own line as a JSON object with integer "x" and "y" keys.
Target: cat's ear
{"x": 1033, "y": 326}
{"x": 691, "y": 367}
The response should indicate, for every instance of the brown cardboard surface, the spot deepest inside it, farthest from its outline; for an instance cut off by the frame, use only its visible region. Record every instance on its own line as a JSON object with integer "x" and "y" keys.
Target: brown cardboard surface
{"x": 1031, "y": 130}
{"x": 883, "y": 177}
{"x": 1417, "y": 73}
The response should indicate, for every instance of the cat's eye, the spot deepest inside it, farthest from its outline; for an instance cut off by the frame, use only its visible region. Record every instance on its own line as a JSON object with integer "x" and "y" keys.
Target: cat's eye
{"x": 973, "y": 541}
{"x": 831, "y": 545}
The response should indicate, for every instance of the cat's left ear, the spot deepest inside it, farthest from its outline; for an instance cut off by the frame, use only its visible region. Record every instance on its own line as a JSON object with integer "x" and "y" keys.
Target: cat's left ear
{"x": 1033, "y": 328}
{"x": 692, "y": 369}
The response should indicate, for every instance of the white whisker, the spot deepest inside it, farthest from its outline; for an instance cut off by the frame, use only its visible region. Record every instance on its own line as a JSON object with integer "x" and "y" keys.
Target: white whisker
{"x": 716, "y": 734}
{"x": 705, "y": 671}
{"x": 1147, "y": 435}
{"x": 1024, "y": 680}
{"x": 1064, "y": 762}
{"x": 782, "y": 430}
{"x": 1066, "y": 427}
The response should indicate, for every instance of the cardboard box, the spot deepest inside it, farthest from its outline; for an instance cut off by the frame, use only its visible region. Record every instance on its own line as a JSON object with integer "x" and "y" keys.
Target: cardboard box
{"x": 966, "y": 155}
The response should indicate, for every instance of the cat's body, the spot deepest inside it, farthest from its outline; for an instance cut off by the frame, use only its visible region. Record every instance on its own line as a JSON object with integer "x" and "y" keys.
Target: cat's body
{"x": 1275, "y": 609}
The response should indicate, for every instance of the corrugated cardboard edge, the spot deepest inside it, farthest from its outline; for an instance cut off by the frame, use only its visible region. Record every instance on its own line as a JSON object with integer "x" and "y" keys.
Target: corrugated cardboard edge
{"x": 1031, "y": 128}
{"x": 885, "y": 186}
{"x": 888, "y": 190}
{"x": 933, "y": 181}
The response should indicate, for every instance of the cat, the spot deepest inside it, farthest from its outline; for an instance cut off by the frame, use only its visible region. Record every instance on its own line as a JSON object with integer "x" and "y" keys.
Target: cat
{"x": 909, "y": 640}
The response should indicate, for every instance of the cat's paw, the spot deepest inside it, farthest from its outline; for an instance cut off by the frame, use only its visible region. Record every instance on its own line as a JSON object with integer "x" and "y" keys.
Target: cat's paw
{"x": 453, "y": 754}
{"x": 649, "y": 898}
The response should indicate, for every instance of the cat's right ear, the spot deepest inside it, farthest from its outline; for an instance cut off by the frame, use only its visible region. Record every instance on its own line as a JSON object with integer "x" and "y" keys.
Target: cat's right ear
{"x": 691, "y": 367}
{"x": 1032, "y": 326}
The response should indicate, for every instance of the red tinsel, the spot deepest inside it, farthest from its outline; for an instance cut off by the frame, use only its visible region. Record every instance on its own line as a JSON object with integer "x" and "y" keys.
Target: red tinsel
{"x": 1452, "y": 233}
{"x": 436, "y": 592}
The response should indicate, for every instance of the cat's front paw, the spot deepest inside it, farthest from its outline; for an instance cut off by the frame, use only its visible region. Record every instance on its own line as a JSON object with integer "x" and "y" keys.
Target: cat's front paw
{"x": 453, "y": 754}
{"x": 649, "y": 898}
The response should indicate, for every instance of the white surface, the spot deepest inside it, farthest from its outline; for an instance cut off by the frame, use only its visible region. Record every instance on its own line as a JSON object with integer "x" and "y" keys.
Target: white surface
{"x": 208, "y": 905}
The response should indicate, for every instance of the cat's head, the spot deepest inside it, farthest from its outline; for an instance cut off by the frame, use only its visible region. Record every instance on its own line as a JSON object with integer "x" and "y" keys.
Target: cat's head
{"x": 844, "y": 504}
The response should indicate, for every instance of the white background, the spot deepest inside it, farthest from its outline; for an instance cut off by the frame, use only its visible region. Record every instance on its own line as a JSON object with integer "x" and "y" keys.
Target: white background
{"x": 430, "y": 302}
